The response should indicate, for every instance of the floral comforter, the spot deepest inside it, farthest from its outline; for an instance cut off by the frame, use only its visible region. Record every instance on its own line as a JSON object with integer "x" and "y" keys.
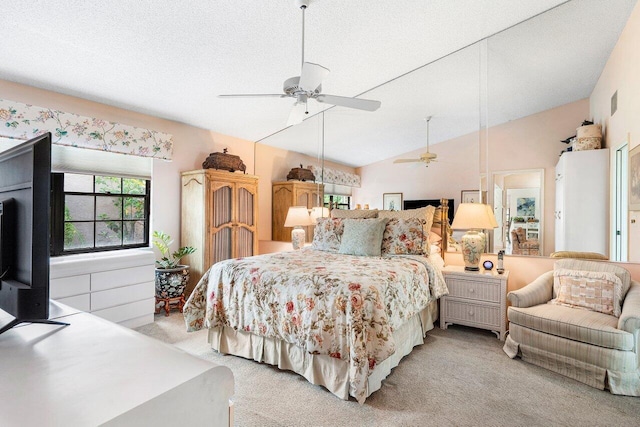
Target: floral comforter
{"x": 339, "y": 305}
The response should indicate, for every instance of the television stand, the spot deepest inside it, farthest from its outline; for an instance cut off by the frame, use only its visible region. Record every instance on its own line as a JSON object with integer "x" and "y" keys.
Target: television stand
{"x": 55, "y": 311}
{"x": 16, "y": 322}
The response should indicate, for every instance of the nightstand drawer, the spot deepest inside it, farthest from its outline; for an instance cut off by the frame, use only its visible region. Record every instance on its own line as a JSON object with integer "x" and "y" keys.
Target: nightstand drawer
{"x": 472, "y": 314}
{"x": 485, "y": 290}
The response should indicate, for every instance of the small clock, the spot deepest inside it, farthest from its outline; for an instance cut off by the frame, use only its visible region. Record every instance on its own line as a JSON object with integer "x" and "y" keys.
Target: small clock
{"x": 488, "y": 265}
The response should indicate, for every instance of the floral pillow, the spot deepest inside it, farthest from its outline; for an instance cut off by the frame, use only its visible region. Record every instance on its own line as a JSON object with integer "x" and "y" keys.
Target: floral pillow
{"x": 404, "y": 236}
{"x": 592, "y": 290}
{"x": 328, "y": 234}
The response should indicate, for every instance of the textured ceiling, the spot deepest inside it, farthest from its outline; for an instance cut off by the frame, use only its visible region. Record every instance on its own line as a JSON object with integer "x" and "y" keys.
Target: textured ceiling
{"x": 172, "y": 58}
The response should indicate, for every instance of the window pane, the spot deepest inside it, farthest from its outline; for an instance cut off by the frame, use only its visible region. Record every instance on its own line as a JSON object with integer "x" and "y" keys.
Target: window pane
{"x": 133, "y": 208}
{"x": 108, "y": 233}
{"x": 78, "y": 235}
{"x": 108, "y": 208}
{"x": 78, "y": 183}
{"x": 133, "y": 232}
{"x": 78, "y": 208}
{"x": 108, "y": 184}
{"x": 133, "y": 186}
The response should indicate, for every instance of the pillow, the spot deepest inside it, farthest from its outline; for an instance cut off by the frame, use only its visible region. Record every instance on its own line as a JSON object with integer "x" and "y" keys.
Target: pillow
{"x": 574, "y": 254}
{"x": 328, "y": 234}
{"x": 404, "y": 236}
{"x": 425, "y": 214}
{"x": 434, "y": 238}
{"x": 588, "y": 265}
{"x": 592, "y": 290}
{"x": 354, "y": 213}
{"x": 363, "y": 236}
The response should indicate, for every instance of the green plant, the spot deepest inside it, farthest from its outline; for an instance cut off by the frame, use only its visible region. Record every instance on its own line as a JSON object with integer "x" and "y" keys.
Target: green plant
{"x": 162, "y": 241}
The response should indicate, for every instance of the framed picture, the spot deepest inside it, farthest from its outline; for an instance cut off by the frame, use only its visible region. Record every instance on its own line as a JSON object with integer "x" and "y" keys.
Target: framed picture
{"x": 392, "y": 201}
{"x": 471, "y": 196}
{"x": 634, "y": 179}
{"x": 526, "y": 206}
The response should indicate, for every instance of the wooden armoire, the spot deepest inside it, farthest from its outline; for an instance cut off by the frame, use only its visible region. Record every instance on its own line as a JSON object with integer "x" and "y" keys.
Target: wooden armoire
{"x": 293, "y": 193}
{"x": 219, "y": 218}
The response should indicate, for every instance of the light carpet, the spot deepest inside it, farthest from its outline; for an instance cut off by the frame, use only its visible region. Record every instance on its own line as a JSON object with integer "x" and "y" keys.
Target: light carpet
{"x": 459, "y": 377}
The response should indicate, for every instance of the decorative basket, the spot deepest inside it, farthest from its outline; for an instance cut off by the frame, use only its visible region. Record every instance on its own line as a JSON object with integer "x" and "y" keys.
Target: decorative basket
{"x": 224, "y": 161}
{"x": 301, "y": 174}
{"x": 588, "y": 137}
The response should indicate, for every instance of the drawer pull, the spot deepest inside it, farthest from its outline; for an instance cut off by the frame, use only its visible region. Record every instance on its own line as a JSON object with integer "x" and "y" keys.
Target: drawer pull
{"x": 472, "y": 290}
{"x": 470, "y": 313}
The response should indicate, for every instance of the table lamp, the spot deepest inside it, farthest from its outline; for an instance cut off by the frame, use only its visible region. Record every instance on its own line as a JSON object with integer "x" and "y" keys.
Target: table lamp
{"x": 319, "y": 212}
{"x": 298, "y": 217}
{"x": 473, "y": 217}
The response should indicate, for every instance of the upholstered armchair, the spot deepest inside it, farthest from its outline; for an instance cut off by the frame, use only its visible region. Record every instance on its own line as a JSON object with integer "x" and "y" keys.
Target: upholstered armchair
{"x": 587, "y": 344}
{"x": 521, "y": 246}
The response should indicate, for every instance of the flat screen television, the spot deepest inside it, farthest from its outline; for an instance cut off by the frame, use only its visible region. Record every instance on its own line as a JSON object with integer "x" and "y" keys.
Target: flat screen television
{"x": 25, "y": 194}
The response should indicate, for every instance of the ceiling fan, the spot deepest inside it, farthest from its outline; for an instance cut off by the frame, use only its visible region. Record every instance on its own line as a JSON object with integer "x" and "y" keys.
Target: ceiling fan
{"x": 425, "y": 157}
{"x": 308, "y": 85}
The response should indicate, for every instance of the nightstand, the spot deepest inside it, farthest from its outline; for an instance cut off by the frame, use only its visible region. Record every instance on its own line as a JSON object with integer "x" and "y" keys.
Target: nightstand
{"x": 477, "y": 299}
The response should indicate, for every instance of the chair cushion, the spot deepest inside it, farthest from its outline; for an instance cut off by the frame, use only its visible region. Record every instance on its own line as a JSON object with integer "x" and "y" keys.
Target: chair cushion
{"x": 583, "y": 264}
{"x": 575, "y": 324}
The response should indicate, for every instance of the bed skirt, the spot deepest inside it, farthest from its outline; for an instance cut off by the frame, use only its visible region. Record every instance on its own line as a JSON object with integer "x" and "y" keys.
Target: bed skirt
{"x": 320, "y": 369}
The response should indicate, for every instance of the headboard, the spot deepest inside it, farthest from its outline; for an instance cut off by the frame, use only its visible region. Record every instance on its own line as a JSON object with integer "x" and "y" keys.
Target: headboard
{"x": 447, "y": 214}
{"x": 414, "y": 204}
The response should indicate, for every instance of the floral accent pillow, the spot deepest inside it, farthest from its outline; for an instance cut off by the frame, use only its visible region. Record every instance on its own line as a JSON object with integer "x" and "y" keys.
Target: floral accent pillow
{"x": 328, "y": 234}
{"x": 404, "y": 236}
{"x": 593, "y": 290}
{"x": 363, "y": 237}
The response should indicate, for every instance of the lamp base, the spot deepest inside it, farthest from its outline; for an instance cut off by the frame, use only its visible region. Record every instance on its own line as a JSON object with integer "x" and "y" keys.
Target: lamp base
{"x": 298, "y": 238}
{"x": 472, "y": 247}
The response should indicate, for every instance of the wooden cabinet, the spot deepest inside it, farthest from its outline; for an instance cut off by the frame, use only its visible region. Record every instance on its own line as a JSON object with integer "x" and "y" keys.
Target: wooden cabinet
{"x": 477, "y": 299}
{"x": 219, "y": 218}
{"x": 292, "y": 193}
{"x": 582, "y": 211}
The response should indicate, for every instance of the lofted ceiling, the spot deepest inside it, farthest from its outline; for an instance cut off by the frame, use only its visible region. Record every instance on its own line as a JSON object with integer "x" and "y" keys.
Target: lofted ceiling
{"x": 172, "y": 58}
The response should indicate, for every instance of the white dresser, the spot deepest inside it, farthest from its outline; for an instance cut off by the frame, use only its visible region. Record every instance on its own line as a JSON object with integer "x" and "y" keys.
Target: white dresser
{"x": 582, "y": 201}
{"x": 94, "y": 372}
{"x": 477, "y": 299}
{"x": 116, "y": 285}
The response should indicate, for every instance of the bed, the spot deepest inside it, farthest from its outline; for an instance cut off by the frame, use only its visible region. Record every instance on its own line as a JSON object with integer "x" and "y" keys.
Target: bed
{"x": 341, "y": 318}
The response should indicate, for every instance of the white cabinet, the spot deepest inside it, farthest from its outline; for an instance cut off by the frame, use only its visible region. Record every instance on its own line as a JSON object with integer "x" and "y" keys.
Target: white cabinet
{"x": 582, "y": 201}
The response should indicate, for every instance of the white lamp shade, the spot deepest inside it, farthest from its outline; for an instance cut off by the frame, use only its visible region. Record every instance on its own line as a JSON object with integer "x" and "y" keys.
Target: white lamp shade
{"x": 474, "y": 216}
{"x": 298, "y": 216}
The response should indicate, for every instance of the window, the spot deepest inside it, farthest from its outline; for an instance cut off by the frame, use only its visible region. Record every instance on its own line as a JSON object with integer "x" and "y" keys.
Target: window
{"x": 334, "y": 201}
{"x": 93, "y": 213}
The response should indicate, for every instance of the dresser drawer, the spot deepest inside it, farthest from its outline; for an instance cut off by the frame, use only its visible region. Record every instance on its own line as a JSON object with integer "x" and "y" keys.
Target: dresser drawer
{"x": 481, "y": 290}
{"x": 472, "y": 314}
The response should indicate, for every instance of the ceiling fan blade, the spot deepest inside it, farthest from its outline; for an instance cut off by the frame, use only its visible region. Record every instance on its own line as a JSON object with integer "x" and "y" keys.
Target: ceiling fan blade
{"x": 344, "y": 101}
{"x": 312, "y": 76}
{"x": 407, "y": 160}
{"x": 254, "y": 95}
{"x": 297, "y": 113}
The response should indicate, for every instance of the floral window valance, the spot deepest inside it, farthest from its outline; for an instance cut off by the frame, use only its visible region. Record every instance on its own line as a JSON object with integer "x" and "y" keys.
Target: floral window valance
{"x": 335, "y": 176}
{"x": 23, "y": 121}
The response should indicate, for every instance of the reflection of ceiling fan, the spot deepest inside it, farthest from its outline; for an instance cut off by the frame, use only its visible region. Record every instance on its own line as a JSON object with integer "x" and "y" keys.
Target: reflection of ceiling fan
{"x": 426, "y": 157}
{"x": 308, "y": 85}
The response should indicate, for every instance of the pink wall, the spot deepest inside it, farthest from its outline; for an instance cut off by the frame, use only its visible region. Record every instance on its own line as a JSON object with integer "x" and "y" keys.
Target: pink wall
{"x": 529, "y": 143}
{"x": 192, "y": 145}
{"x": 622, "y": 73}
